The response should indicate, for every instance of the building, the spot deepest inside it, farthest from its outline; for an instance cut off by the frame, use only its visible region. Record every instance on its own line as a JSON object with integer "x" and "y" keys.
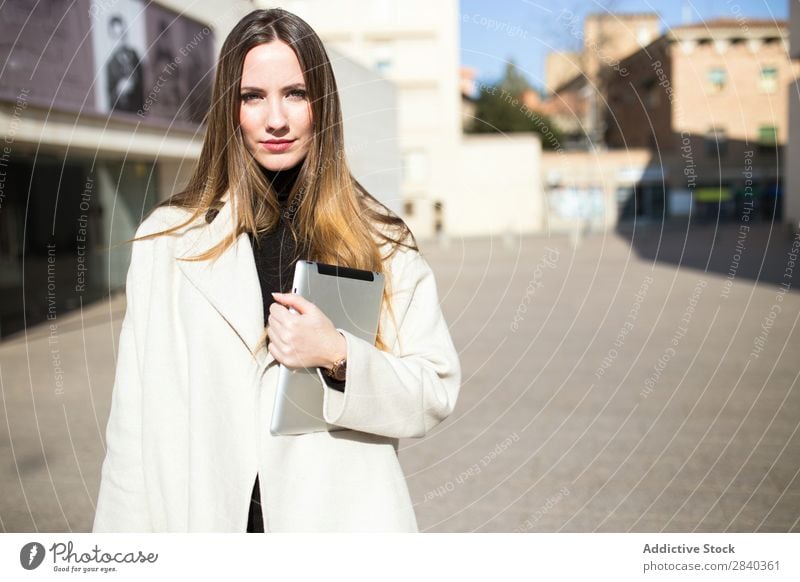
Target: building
{"x": 420, "y": 57}
{"x": 710, "y": 101}
{"x": 575, "y": 79}
{"x": 559, "y": 68}
{"x": 791, "y": 166}
{"x": 589, "y": 190}
{"x": 101, "y": 104}
{"x": 101, "y": 116}
{"x": 447, "y": 177}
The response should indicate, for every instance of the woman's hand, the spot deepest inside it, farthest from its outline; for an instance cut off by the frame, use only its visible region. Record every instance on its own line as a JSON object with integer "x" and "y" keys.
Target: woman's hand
{"x": 306, "y": 339}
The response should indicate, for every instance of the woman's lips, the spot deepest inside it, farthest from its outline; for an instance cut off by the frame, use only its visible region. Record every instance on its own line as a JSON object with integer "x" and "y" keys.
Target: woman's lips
{"x": 277, "y": 145}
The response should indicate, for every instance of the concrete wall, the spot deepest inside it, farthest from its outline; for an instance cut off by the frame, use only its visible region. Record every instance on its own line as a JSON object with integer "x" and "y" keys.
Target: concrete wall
{"x": 585, "y": 172}
{"x": 498, "y": 188}
{"x": 369, "y": 113}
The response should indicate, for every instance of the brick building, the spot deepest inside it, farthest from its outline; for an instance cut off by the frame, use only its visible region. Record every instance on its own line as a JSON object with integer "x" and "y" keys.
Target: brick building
{"x": 576, "y": 79}
{"x": 791, "y": 165}
{"x": 710, "y": 101}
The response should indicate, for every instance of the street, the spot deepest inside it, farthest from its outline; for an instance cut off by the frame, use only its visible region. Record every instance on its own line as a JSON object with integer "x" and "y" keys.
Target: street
{"x": 617, "y": 386}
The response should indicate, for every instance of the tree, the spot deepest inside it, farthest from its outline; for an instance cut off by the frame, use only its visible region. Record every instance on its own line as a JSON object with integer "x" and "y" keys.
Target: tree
{"x": 513, "y": 81}
{"x": 499, "y": 109}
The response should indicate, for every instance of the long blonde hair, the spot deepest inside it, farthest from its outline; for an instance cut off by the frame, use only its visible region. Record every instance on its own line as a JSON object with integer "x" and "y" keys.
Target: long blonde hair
{"x": 335, "y": 217}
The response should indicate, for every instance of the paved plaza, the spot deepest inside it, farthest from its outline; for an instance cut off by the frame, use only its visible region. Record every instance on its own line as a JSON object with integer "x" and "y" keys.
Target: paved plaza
{"x": 644, "y": 380}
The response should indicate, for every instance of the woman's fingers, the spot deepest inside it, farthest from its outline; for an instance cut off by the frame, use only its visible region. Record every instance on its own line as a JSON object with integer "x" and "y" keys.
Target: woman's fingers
{"x": 301, "y": 337}
{"x": 300, "y": 304}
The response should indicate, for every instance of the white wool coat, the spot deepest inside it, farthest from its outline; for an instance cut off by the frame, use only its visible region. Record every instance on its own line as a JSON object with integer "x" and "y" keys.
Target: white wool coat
{"x": 192, "y": 399}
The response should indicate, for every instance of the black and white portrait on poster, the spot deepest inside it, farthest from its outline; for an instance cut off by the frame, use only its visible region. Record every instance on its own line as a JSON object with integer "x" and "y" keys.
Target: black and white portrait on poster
{"x": 120, "y": 45}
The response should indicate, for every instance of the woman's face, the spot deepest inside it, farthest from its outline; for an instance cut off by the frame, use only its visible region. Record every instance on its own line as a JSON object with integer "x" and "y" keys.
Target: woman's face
{"x": 274, "y": 114}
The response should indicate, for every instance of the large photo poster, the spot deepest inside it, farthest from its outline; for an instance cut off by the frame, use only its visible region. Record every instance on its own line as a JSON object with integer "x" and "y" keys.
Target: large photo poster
{"x": 180, "y": 67}
{"x": 51, "y": 62}
{"x": 126, "y": 58}
{"x": 120, "y": 45}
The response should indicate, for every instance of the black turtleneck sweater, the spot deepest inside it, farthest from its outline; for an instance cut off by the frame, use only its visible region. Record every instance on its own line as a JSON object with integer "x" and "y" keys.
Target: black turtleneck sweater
{"x": 275, "y": 254}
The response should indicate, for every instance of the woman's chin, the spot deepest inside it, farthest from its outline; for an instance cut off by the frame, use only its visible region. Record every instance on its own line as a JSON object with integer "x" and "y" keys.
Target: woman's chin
{"x": 276, "y": 163}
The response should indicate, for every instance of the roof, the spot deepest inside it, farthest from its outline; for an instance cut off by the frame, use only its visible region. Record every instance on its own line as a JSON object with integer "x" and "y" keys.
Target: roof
{"x": 734, "y": 23}
{"x": 622, "y": 15}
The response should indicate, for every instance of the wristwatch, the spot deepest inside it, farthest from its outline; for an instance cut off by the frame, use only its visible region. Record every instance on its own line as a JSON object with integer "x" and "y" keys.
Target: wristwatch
{"x": 339, "y": 370}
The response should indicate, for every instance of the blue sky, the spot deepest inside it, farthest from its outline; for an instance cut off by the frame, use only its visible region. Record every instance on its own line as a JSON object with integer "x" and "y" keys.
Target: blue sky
{"x": 492, "y": 32}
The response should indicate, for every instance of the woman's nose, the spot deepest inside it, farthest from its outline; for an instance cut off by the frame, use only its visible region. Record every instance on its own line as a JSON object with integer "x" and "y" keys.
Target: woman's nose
{"x": 276, "y": 116}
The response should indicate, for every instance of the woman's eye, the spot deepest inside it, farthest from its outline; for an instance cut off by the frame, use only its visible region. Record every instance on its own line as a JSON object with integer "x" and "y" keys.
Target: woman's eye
{"x": 295, "y": 93}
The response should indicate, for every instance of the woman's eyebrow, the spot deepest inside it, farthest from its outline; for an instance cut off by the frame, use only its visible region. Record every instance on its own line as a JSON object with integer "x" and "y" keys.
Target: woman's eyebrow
{"x": 286, "y": 88}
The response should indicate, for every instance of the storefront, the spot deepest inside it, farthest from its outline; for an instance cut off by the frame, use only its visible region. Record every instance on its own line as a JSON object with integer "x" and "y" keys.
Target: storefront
{"x": 101, "y": 105}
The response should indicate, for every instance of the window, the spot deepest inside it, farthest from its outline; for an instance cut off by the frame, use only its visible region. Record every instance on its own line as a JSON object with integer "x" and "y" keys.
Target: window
{"x": 383, "y": 66}
{"x": 767, "y": 137}
{"x": 716, "y": 79}
{"x": 716, "y": 143}
{"x": 652, "y": 93}
{"x": 438, "y": 217}
{"x": 383, "y": 58}
{"x": 768, "y": 82}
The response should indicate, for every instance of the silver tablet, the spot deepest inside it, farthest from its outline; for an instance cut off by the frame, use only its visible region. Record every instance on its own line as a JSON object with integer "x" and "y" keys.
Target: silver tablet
{"x": 351, "y": 299}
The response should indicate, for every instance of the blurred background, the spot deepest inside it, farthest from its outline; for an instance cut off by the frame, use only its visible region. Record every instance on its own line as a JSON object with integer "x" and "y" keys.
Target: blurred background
{"x": 608, "y": 192}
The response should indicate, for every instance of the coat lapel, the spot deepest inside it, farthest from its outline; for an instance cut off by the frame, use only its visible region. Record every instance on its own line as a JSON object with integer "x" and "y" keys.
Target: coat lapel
{"x": 230, "y": 283}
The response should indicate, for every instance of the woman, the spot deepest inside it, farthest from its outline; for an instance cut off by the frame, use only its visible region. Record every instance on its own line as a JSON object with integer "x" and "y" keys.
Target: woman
{"x": 188, "y": 440}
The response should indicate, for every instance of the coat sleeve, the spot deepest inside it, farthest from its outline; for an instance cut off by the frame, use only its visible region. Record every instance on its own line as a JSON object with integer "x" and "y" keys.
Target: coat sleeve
{"x": 121, "y": 502}
{"x": 407, "y": 392}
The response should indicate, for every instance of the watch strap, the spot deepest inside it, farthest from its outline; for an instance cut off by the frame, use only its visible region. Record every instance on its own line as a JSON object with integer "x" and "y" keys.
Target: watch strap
{"x": 338, "y": 371}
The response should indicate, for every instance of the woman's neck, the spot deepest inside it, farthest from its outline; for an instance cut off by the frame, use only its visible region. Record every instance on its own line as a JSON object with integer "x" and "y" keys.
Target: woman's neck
{"x": 283, "y": 180}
